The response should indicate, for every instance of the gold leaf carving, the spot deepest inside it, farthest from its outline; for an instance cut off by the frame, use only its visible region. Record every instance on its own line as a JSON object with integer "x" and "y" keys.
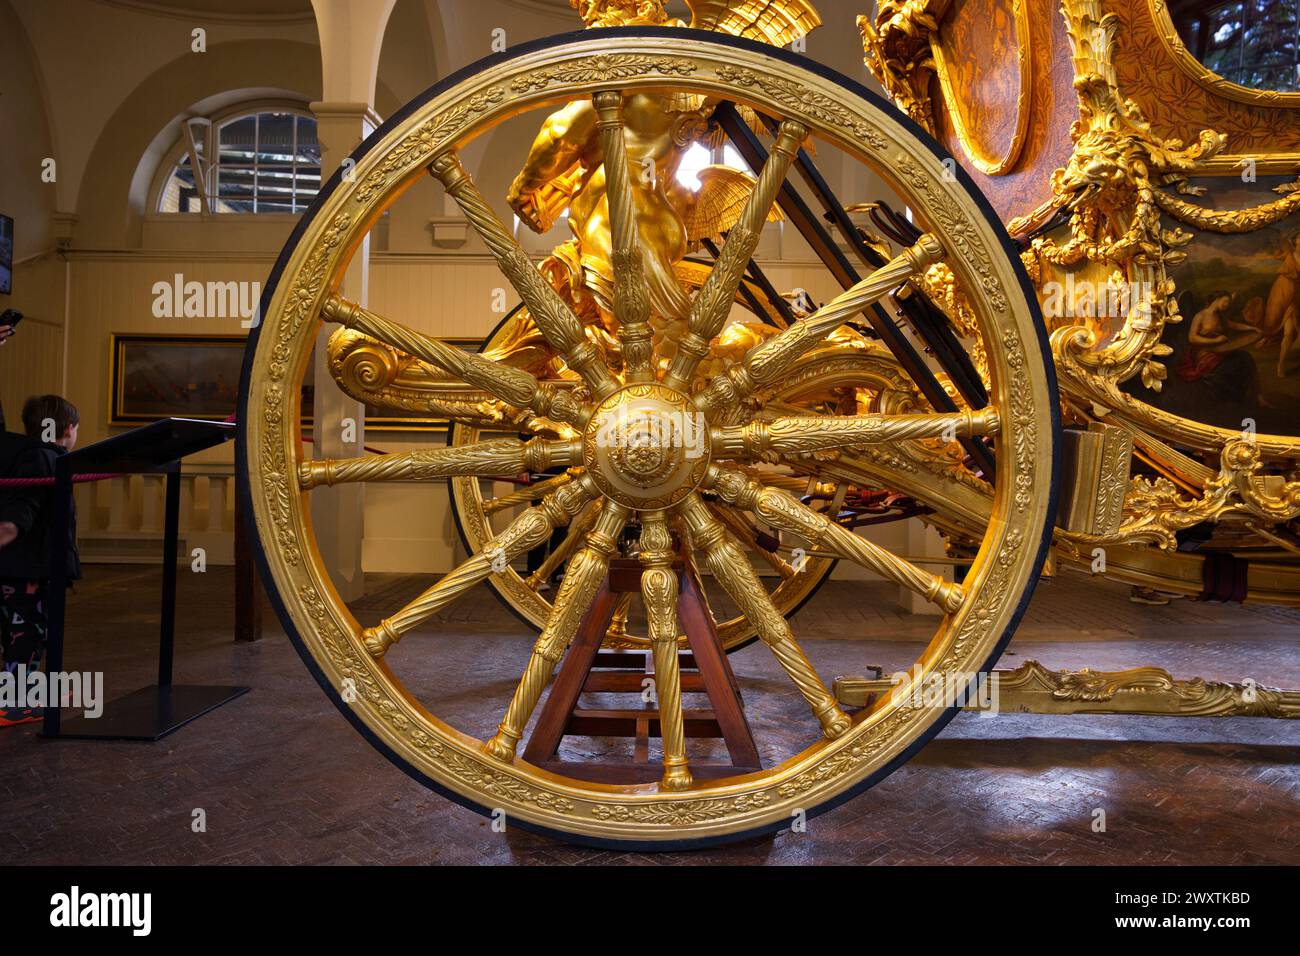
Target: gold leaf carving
{"x": 425, "y": 142}
{"x": 605, "y": 66}
{"x": 809, "y": 102}
{"x": 678, "y": 813}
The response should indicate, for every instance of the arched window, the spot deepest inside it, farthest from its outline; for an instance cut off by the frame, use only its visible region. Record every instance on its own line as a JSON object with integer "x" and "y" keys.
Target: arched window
{"x": 1254, "y": 43}
{"x": 267, "y": 161}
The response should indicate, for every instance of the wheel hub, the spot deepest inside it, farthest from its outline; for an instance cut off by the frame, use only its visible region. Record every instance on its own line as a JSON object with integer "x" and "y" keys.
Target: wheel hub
{"x": 647, "y": 446}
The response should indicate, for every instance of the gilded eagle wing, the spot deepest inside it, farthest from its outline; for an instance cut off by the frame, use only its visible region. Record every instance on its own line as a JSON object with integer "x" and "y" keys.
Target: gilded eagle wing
{"x": 716, "y": 207}
{"x": 778, "y": 22}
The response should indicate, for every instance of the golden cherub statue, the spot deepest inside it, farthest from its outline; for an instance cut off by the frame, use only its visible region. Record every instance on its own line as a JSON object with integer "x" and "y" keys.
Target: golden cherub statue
{"x": 564, "y": 171}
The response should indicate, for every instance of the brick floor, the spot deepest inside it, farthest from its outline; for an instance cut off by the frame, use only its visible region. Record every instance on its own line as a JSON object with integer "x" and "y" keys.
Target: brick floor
{"x": 283, "y": 778}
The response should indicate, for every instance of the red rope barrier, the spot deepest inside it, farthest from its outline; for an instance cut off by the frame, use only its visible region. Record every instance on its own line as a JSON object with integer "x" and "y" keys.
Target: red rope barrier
{"x": 76, "y": 479}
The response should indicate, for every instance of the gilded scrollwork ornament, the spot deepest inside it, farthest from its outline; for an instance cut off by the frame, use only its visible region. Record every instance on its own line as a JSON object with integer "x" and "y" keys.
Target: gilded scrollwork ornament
{"x": 1142, "y": 690}
{"x": 1110, "y": 188}
{"x": 898, "y": 52}
{"x": 1156, "y": 509}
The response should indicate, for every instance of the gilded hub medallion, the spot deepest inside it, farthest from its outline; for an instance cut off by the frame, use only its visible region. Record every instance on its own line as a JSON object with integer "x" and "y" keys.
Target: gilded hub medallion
{"x": 647, "y": 446}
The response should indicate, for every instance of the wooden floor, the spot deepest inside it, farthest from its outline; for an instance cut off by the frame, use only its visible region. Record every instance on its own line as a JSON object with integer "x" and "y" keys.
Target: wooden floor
{"x": 284, "y": 779}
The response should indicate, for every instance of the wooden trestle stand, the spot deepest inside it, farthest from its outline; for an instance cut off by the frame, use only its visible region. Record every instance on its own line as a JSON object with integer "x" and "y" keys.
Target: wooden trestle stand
{"x": 588, "y": 669}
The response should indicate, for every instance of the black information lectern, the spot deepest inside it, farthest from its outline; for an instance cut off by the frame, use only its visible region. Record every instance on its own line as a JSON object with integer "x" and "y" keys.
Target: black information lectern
{"x": 155, "y": 711}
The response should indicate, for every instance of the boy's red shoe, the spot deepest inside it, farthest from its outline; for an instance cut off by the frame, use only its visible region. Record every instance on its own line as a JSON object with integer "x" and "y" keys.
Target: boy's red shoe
{"x": 13, "y": 716}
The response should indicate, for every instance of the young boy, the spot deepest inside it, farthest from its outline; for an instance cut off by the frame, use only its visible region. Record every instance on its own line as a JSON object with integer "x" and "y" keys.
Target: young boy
{"x": 51, "y": 424}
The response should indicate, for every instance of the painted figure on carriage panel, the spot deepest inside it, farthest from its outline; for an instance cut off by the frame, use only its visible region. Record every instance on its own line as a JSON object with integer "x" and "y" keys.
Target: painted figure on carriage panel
{"x": 1237, "y": 351}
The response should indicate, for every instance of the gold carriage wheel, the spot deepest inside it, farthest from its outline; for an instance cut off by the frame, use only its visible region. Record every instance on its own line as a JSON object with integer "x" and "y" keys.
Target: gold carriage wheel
{"x": 480, "y": 516}
{"x": 838, "y": 753}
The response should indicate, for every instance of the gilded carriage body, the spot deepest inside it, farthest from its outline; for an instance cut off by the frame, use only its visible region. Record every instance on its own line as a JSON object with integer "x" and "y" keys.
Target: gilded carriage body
{"x": 1155, "y": 204}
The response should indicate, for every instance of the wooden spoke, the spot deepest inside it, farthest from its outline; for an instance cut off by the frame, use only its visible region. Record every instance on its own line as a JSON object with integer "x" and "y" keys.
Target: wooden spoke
{"x": 741, "y": 528}
{"x": 553, "y": 316}
{"x": 787, "y": 436}
{"x": 713, "y": 302}
{"x": 555, "y": 560}
{"x": 526, "y": 532}
{"x": 510, "y": 385}
{"x": 631, "y": 303}
{"x": 731, "y": 568}
{"x": 659, "y": 594}
{"x": 768, "y": 361}
{"x": 617, "y": 629}
{"x": 526, "y": 494}
{"x": 784, "y": 511}
{"x": 505, "y": 456}
{"x": 581, "y": 581}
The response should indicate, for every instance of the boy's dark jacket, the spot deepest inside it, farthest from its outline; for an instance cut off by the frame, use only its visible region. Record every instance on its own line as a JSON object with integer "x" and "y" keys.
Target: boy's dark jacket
{"x": 28, "y": 556}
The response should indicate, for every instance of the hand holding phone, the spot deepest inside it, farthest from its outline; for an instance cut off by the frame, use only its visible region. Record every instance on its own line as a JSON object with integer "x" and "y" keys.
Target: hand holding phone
{"x": 9, "y": 320}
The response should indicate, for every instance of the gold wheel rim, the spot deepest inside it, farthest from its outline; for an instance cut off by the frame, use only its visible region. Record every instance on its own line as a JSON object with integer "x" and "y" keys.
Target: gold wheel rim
{"x": 998, "y": 583}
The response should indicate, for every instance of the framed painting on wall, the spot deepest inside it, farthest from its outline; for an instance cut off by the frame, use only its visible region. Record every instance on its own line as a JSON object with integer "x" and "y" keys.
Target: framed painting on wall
{"x": 186, "y": 376}
{"x": 197, "y": 376}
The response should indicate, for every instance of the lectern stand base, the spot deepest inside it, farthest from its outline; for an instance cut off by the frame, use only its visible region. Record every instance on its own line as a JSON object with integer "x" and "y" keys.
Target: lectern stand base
{"x": 149, "y": 713}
